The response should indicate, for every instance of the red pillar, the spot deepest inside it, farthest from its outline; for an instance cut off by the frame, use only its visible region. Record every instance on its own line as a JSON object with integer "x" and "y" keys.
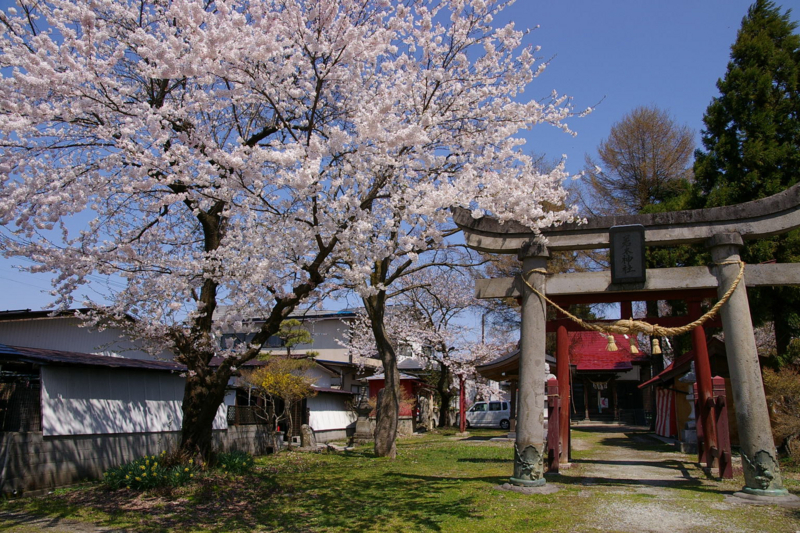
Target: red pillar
{"x": 724, "y": 438}
{"x": 702, "y": 368}
{"x": 562, "y": 373}
{"x": 702, "y": 453}
{"x": 462, "y": 407}
{"x": 553, "y": 433}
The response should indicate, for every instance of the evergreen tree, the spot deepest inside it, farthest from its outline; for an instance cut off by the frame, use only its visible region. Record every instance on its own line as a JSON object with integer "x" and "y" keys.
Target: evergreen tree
{"x": 752, "y": 142}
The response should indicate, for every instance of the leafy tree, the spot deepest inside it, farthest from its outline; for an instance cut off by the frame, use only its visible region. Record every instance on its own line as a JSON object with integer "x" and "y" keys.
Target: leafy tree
{"x": 239, "y": 153}
{"x": 281, "y": 382}
{"x": 783, "y": 396}
{"x": 752, "y": 146}
{"x": 645, "y": 161}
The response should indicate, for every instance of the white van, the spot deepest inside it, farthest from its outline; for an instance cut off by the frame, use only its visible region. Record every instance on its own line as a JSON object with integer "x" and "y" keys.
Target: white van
{"x": 489, "y": 414}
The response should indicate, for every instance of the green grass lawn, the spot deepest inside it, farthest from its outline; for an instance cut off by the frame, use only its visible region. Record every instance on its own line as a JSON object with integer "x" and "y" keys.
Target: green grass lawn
{"x": 437, "y": 483}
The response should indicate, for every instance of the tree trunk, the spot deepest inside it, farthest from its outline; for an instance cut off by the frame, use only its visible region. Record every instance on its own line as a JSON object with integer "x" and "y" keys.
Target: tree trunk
{"x": 445, "y": 395}
{"x": 203, "y": 394}
{"x": 656, "y": 364}
{"x": 388, "y": 411}
{"x": 781, "y": 321}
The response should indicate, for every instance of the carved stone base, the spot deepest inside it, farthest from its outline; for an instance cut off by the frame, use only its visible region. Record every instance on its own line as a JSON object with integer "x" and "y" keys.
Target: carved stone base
{"x": 766, "y": 493}
{"x": 785, "y": 500}
{"x": 541, "y": 489}
{"x": 528, "y": 466}
{"x": 527, "y": 482}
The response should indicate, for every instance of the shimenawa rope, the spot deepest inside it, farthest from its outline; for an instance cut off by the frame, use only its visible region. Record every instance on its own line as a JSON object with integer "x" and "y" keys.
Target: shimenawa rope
{"x": 636, "y": 326}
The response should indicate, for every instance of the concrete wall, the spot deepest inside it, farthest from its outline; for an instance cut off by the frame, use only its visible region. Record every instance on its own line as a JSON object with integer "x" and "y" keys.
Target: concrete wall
{"x": 95, "y": 400}
{"x": 329, "y": 411}
{"x": 30, "y": 462}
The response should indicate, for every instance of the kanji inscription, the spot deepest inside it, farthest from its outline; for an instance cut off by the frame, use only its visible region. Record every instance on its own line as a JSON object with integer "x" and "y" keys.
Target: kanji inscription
{"x": 627, "y": 254}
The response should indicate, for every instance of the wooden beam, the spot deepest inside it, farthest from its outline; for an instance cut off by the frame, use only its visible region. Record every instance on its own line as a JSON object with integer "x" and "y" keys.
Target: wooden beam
{"x": 658, "y": 280}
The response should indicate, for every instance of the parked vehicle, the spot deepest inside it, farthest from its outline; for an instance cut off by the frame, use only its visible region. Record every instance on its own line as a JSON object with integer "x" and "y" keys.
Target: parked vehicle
{"x": 489, "y": 414}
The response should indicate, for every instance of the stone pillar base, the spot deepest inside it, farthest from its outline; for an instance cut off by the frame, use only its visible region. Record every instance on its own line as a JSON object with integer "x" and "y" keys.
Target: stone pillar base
{"x": 787, "y": 500}
{"x": 765, "y": 493}
{"x": 527, "y": 482}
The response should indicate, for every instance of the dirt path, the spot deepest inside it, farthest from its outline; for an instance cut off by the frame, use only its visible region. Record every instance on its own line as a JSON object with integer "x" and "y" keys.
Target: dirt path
{"x": 641, "y": 487}
{"x": 25, "y": 523}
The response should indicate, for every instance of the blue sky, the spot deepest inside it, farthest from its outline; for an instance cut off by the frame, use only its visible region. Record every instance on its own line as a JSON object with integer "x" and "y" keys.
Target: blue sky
{"x": 620, "y": 53}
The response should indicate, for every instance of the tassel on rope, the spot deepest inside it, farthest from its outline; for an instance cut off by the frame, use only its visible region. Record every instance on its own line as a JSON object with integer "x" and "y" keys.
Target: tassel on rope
{"x": 612, "y": 345}
{"x": 634, "y": 349}
{"x": 656, "y": 347}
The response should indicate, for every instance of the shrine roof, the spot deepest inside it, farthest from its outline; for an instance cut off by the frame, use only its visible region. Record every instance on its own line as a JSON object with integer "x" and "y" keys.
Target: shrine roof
{"x": 587, "y": 352}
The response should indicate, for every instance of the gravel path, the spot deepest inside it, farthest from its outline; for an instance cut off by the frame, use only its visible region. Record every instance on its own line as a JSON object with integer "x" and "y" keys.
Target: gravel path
{"x": 656, "y": 490}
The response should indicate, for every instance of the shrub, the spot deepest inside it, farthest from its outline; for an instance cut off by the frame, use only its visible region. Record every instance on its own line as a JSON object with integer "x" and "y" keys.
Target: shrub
{"x": 783, "y": 397}
{"x": 235, "y": 462}
{"x": 149, "y": 472}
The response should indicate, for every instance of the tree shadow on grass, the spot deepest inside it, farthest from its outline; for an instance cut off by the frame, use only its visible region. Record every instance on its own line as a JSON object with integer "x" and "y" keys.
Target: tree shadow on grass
{"x": 491, "y": 480}
{"x": 397, "y": 502}
{"x": 484, "y": 438}
{"x": 479, "y": 460}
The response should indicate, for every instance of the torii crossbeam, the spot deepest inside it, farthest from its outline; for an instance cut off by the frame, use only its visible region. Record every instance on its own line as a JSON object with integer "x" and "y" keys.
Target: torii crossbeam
{"x": 722, "y": 229}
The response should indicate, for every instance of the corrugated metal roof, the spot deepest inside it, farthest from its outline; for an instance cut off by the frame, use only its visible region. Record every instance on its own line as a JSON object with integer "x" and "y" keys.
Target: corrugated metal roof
{"x": 336, "y": 391}
{"x": 27, "y": 314}
{"x": 383, "y": 376}
{"x": 58, "y": 357}
{"x": 411, "y": 363}
{"x": 300, "y": 314}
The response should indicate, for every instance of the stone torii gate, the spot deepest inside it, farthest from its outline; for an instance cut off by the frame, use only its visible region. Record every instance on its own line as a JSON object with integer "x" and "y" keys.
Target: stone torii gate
{"x": 722, "y": 229}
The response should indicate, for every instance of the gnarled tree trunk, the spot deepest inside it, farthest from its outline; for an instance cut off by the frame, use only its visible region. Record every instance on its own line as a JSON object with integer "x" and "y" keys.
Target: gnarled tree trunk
{"x": 388, "y": 411}
{"x": 203, "y": 394}
{"x": 445, "y": 391}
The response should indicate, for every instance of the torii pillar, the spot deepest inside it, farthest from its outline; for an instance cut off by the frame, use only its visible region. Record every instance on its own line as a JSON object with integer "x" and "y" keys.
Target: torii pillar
{"x": 759, "y": 457}
{"x": 529, "y": 445}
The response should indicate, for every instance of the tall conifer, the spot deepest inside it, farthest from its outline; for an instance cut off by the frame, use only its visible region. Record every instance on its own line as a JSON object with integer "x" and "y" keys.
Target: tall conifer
{"x": 752, "y": 143}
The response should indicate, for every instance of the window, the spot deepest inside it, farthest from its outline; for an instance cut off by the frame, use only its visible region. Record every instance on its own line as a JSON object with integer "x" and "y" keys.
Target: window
{"x": 274, "y": 342}
{"x": 494, "y": 406}
{"x": 478, "y": 408}
{"x": 505, "y": 406}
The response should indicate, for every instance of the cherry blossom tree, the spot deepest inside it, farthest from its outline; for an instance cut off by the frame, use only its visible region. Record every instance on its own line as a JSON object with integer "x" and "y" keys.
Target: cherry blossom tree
{"x": 235, "y": 153}
{"x": 427, "y": 321}
{"x": 435, "y": 299}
